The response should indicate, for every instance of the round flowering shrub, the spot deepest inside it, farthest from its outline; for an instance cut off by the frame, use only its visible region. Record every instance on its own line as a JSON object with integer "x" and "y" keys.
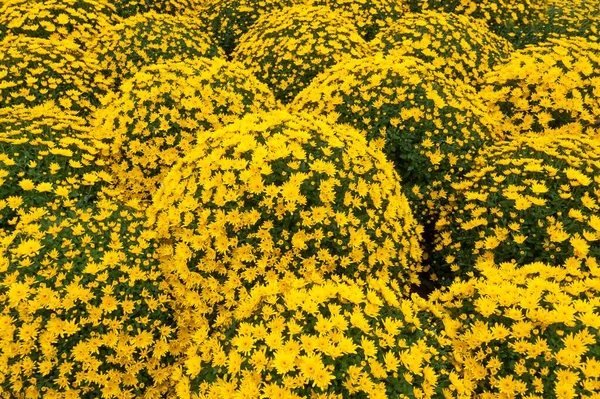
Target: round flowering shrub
{"x": 34, "y": 71}
{"x": 47, "y": 159}
{"x": 459, "y": 46}
{"x": 507, "y": 18}
{"x": 79, "y": 20}
{"x": 547, "y": 85}
{"x": 275, "y": 194}
{"x": 155, "y": 119}
{"x": 287, "y": 48}
{"x": 128, "y": 8}
{"x": 430, "y": 126}
{"x": 84, "y": 309}
{"x": 368, "y": 16}
{"x": 228, "y": 20}
{"x": 534, "y": 198}
{"x": 525, "y": 330}
{"x": 339, "y": 338}
{"x": 148, "y": 39}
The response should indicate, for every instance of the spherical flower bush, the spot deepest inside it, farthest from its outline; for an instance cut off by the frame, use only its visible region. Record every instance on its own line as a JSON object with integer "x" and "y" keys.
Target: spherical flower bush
{"x": 430, "y": 126}
{"x": 525, "y": 330}
{"x": 369, "y": 16}
{"x": 534, "y": 198}
{"x": 340, "y": 338}
{"x": 275, "y": 194}
{"x": 509, "y": 19}
{"x": 151, "y": 38}
{"x": 34, "y": 71}
{"x": 459, "y": 46}
{"x": 228, "y": 20}
{"x": 78, "y": 20}
{"x": 155, "y": 119}
{"x": 47, "y": 159}
{"x": 547, "y": 85}
{"x": 84, "y": 307}
{"x": 287, "y": 48}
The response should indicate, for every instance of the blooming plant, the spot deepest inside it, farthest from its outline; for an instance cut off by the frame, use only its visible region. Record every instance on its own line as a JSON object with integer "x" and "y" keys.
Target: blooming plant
{"x": 150, "y": 38}
{"x": 47, "y": 159}
{"x": 547, "y": 85}
{"x": 34, "y": 71}
{"x": 524, "y": 330}
{"x": 461, "y": 47}
{"x": 77, "y": 20}
{"x": 129, "y": 8}
{"x": 287, "y": 48}
{"x": 338, "y": 338}
{"x": 277, "y": 194}
{"x": 84, "y": 311}
{"x": 534, "y": 198}
{"x": 155, "y": 119}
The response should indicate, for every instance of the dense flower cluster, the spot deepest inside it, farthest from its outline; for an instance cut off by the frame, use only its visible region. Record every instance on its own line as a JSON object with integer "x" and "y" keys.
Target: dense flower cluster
{"x": 34, "y": 71}
{"x": 368, "y": 16}
{"x": 524, "y": 331}
{"x": 459, "y": 46}
{"x": 228, "y": 20}
{"x": 150, "y": 38}
{"x": 339, "y": 338}
{"x": 508, "y": 18}
{"x": 153, "y": 122}
{"x": 78, "y": 20}
{"x": 47, "y": 160}
{"x": 534, "y": 198}
{"x": 277, "y": 194}
{"x": 83, "y": 310}
{"x": 430, "y": 126}
{"x": 287, "y": 48}
{"x": 128, "y": 8}
{"x": 547, "y": 85}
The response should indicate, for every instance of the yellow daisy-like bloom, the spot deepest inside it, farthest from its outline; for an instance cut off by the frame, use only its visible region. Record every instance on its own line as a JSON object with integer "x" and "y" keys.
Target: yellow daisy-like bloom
{"x": 275, "y": 194}
{"x": 155, "y": 119}
{"x": 287, "y": 48}
{"x": 547, "y": 86}
{"x": 531, "y": 331}
{"x": 339, "y": 338}
{"x": 428, "y": 125}
{"x": 368, "y": 16}
{"x": 34, "y": 71}
{"x": 460, "y": 47}
{"x": 78, "y": 20}
{"x": 146, "y": 39}
{"x": 532, "y": 199}
{"x": 47, "y": 159}
{"x": 228, "y": 20}
{"x": 84, "y": 311}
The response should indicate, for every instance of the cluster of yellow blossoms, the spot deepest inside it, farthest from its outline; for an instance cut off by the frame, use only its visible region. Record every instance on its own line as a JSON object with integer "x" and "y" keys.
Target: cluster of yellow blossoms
{"x": 325, "y": 199}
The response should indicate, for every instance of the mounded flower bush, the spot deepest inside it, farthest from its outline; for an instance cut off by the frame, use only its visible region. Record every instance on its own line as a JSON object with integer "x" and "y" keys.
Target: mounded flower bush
{"x": 368, "y": 16}
{"x": 534, "y": 198}
{"x": 150, "y": 38}
{"x": 228, "y": 20}
{"x": 155, "y": 119}
{"x": 547, "y": 85}
{"x": 429, "y": 126}
{"x": 509, "y": 19}
{"x": 339, "y": 338}
{"x": 287, "y": 48}
{"x": 47, "y": 160}
{"x": 34, "y": 71}
{"x": 525, "y": 330}
{"x": 84, "y": 307}
{"x": 459, "y": 46}
{"x": 278, "y": 194}
{"x": 78, "y": 20}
